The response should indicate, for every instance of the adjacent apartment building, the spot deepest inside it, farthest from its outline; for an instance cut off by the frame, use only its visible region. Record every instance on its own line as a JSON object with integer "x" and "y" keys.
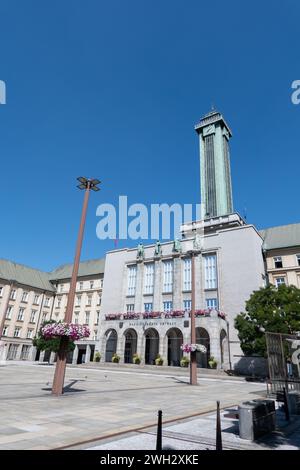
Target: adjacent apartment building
{"x": 29, "y": 296}
{"x": 282, "y": 254}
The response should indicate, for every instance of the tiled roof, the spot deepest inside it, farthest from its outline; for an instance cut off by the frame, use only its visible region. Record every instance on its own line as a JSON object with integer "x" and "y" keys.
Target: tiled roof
{"x": 24, "y": 275}
{"x": 86, "y": 268}
{"x": 282, "y": 236}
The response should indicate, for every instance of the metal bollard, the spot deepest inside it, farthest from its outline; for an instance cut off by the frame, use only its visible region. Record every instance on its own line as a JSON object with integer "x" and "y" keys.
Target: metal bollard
{"x": 159, "y": 432}
{"x": 218, "y": 429}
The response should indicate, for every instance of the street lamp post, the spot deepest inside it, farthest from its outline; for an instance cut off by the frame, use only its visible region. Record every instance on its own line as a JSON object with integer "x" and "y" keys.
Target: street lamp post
{"x": 59, "y": 375}
{"x": 193, "y": 362}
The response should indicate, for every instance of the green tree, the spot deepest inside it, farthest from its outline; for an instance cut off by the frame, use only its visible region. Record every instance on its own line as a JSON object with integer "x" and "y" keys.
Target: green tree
{"x": 49, "y": 344}
{"x": 269, "y": 309}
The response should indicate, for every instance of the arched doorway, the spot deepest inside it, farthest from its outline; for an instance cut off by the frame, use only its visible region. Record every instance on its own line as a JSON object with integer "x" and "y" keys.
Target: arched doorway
{"x": 224, "y": 349}
{"x": 175, "y": 340}
{"x": 111, "y": 344}
{"x": 130, "y": 345}
{"x": 151, "y": 345}
{"x": 202, "y": 337}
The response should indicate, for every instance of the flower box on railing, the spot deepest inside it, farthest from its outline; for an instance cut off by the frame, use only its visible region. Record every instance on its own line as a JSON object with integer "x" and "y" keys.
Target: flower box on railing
{"x": 147, "y": 315}
{"x": 175, "y": 314}
{"x": 131, "y": 316}
{"x": 113, "y": 316}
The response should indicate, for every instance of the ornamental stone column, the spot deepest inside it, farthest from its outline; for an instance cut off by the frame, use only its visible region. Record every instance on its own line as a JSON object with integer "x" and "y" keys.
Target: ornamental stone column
{"x": 214, "y": 334}
{"x": 139, "y": 287}
{"x": 75, "y": 355}
{"x": 52, "y": 356}
{"x": 140, "y": 347}
{"x": 157, "y": 285}
{"x": 177, "y": 283}
{"x": 87, "y": 354}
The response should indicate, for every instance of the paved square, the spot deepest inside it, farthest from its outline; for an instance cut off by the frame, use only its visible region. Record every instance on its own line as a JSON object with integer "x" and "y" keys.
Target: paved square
{"x": 99, "y": 403}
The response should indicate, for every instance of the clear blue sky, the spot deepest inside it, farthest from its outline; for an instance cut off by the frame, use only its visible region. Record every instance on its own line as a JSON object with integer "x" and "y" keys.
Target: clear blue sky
{"x": 112, "y": 89}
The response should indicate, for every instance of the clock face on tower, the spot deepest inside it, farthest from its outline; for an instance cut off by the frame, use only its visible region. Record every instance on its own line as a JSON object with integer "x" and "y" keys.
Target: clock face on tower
{"x": 209, "y": 130}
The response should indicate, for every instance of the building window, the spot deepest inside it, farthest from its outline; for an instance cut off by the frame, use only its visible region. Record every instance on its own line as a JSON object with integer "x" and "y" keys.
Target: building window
{"x": 9, "y": 312}
{"x": 99, "y": 299}
{"x": 87, "y": 318}
{"x": 29, "y": 333}
{"x": 20, "y": 316}
{"x": 95, "y": 335}
{"x": 210, "y": 267}
{"x": 91, "y": 284}
{"x": 12, "y": 351}
{"x": 97, "y": 317}
{"x": 1, "y": 291}
{"x": 78, "y": 300}
{"x": 24, "y": 296}
{"x": 61, "y": 288}
{"x": 187, "y": 274}
{"x": 81, "y": 285}
{"x": 17, "y": 332}
{"x": 36, "y": 300}
{"x": 279, "y": 281}
{"x": 47, "y": 302}
{"x": 25, "y": 351}
{"x": 33, "y": 316}
{"x": 89, "y": 300}
{"x": 5, "y": 331}
{"x": 278, "y": 262}
{"x": 212, "y": 303}
{"x": 13, "y": 294}
{"x": 44, "y": 317}
{"x": 298, "y": 262}
{"x": 168, "y": 276}
{"x": 187, "y": 304}
{"x": 130, "y": 308}
{"x": 101, "y": 283}
{"x": 131, "y": 280}
{"x": 168, "y": 306}
{"x": 76, "y": 317}
{"x": 58, "y": 302}
{"x": 148, "y": 307}
{"x": 149, "y": 278}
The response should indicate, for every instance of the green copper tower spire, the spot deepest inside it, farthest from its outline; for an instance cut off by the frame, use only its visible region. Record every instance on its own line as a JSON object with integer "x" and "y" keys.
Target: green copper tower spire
{"x": 216, "y": 192}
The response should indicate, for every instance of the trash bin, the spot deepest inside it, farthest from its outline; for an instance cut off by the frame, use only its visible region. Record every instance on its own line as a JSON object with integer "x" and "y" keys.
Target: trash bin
{"x": 256, "y": 418}
{"x": 294, "y": 402}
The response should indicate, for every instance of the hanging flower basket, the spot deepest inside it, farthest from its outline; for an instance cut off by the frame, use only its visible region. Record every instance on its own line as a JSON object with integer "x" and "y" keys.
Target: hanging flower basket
{"x": 71, "y": 330}
{"x": 188, "y": 348}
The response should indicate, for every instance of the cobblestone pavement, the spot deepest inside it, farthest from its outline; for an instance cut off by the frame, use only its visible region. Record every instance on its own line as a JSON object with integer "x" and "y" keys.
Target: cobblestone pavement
{"x": 98, "y": 403}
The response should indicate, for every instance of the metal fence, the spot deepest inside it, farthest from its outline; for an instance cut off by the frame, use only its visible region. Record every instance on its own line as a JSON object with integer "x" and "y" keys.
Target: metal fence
{"x": 283, "y": 360}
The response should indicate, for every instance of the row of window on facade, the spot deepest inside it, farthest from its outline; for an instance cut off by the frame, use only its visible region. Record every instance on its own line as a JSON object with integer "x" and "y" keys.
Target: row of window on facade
{"x": 210, "y": 270}
{"x": 168, "y": 305}
{"x": 81, "y": 285}
{"x": 278, "y": 263}
{"x": 33, "y": 315}
{"x": 13, "y": 351}
{"x": 25, "y": 295}
{"x": 78, "y": 300}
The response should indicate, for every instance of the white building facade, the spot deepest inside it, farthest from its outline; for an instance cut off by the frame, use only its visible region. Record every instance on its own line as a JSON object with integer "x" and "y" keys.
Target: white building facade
{"x": 148, "y": 310}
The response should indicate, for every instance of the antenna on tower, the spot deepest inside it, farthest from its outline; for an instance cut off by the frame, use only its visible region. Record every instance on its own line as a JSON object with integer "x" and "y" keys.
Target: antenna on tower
{"x": 245, "y": 213}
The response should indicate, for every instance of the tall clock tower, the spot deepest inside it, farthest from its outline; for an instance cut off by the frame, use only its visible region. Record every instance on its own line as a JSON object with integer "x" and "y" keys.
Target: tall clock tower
{"x": 215, "y": 175}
